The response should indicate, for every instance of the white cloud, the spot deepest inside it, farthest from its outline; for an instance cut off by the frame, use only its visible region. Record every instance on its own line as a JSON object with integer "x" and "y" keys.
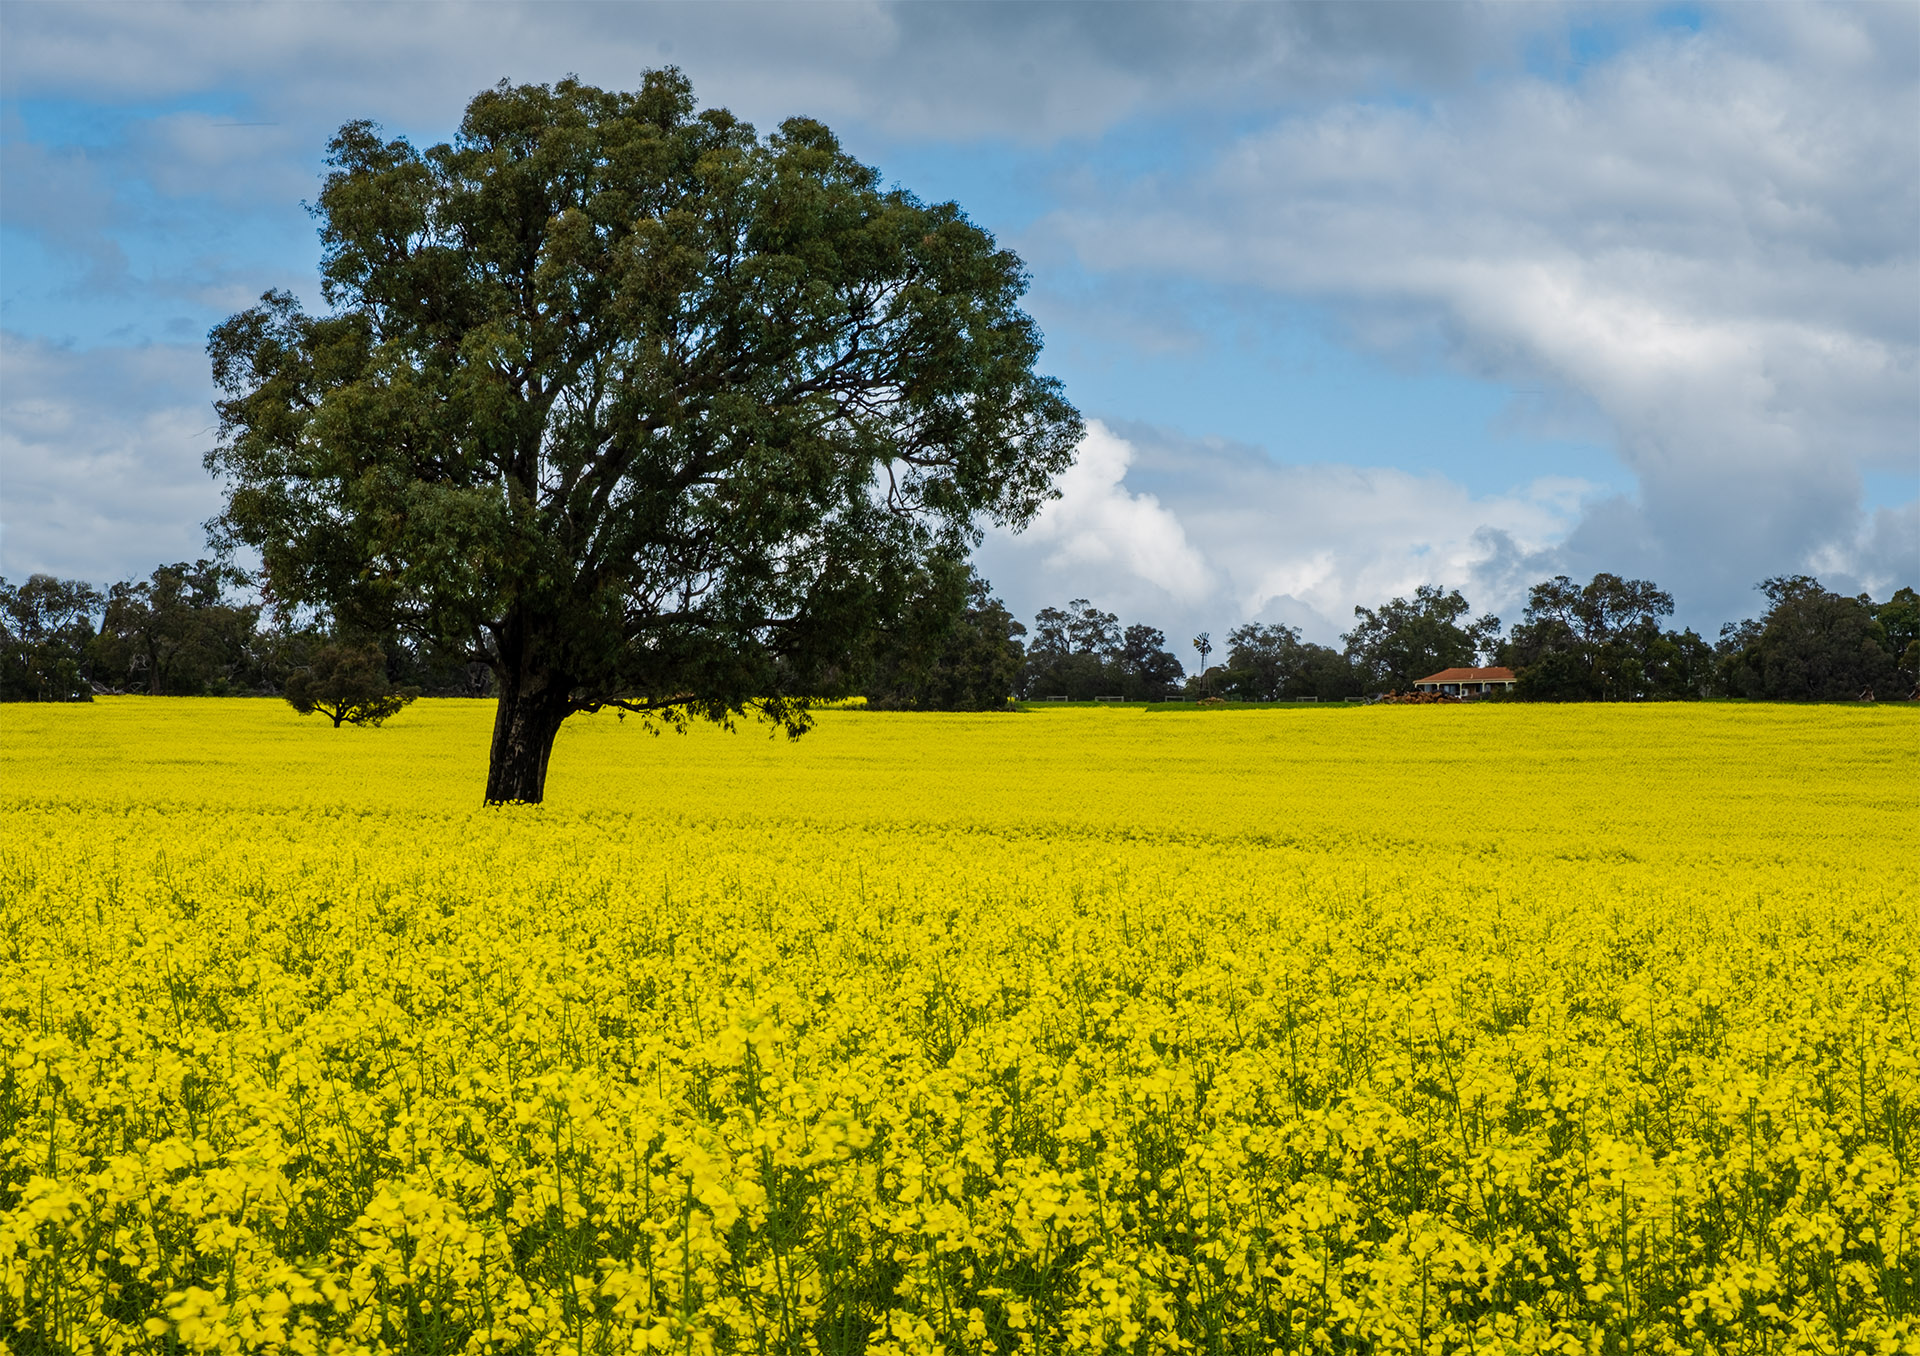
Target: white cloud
{"x": 100, "y": 475}
{"x": 1881, "y": 556}
{"x": 1098, "y": 527}
{"x": 1188, "y": 535}
{"x": 1712, "y": 239}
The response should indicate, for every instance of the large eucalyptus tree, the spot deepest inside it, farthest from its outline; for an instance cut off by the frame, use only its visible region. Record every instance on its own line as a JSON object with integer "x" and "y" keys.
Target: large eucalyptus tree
{"x": 635, "y": 406}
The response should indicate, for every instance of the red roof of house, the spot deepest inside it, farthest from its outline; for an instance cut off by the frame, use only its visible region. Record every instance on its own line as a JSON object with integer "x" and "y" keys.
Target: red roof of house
{"x": 1468, "y": 676}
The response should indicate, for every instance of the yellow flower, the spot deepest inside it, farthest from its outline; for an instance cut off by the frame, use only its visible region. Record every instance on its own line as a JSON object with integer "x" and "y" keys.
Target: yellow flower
{"x": 1061, "y": 1034}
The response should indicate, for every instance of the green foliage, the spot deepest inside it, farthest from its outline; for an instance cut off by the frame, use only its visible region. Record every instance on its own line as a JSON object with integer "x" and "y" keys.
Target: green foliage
{"x": 177, "y": 633}
{"x": 631, "y": 405}
{"x": 1813, "y": 645}
{"x": 182, "y": 632}
{"x": 1409, "y": 638}
{"x": 1899, "y": 618}
{"x": 1679, "y": 665}
{"x": 1149, "y": 671}
{"x": 1081, "y": 653}
{"x": 1267, "y": 663}
{"x": 348, "y": 684}
{"x": 956, "y": 649}
{"x": 46, "y": 633}
{"x": 1601, "y": 641}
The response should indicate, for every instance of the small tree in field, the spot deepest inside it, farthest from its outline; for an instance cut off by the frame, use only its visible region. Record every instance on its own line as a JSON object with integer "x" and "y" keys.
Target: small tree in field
{"x": 348, "y": 685}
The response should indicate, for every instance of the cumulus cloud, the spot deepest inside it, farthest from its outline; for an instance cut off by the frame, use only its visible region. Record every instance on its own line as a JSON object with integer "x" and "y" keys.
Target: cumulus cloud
{"x": 100, "y": 475}
{"x": 1100, "y": 528}
{"x": 1712, "y": 238}
{"x": 1194, "y": 534}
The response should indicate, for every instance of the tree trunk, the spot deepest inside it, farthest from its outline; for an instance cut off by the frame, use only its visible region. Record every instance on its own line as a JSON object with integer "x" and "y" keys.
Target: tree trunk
{"x": 532, "y": 707}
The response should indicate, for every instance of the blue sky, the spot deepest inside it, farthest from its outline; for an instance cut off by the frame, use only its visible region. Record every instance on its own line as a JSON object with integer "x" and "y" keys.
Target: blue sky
{"x": 1357, "y": 297}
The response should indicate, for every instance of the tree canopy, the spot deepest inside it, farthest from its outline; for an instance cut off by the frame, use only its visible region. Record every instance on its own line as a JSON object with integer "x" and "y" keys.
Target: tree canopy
{"x": 48, "y": 630}
{"x": 1820, "y": 645}
{"x": 1406, "y": 639}
{"x": 632, "y": 405}
{"x": 1269, "y": 662}
{"x": 1082, "y": 653}
{"x": 178, "y": 631}
{"x": 957, "y": 649}
{"x": 348, "y": 684}
{"x": 1602, "y": 640}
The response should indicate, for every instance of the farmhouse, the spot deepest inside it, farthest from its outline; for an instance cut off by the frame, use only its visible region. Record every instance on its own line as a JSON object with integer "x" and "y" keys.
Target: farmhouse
{"x": 1467, "y": 682}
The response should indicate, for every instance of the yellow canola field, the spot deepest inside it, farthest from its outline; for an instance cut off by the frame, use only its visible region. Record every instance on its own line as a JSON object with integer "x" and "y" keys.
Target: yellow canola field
{"x": 1496, "y": 1029}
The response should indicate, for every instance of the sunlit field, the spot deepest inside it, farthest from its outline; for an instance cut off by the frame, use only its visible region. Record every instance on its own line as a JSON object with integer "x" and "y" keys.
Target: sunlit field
{"x": 1495, "y": 1029}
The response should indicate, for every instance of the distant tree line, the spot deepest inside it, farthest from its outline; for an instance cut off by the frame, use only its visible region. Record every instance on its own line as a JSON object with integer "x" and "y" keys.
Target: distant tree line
{"x": 191, "y": 630}
{"x": 1080, "y": 653}
{"x": 957, "y": 648}
{"x": 1599, "y": 641}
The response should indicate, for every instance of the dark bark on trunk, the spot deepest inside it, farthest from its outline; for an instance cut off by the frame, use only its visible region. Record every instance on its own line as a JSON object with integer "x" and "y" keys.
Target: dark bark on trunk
{"x": 532, "y": 706}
